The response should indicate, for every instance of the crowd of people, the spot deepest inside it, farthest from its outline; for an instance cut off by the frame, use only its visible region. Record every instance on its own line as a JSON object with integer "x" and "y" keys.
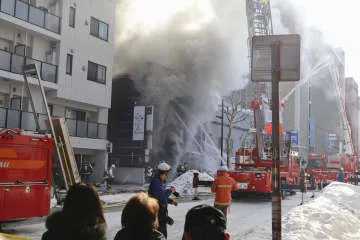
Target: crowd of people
{"x": 145, "y": 216}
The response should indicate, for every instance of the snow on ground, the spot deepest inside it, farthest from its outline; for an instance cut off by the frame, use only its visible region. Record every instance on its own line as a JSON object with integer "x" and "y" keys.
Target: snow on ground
{"x": 335, "y": 214}
{"x": 183, "y": 183}
{"x": 116, "y": 198}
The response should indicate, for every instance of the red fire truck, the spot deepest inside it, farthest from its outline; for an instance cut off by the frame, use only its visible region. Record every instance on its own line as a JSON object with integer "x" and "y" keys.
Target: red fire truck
{"x": 25, "y": 174}
{"x": 26, "y": 163}
{"x": 253, "y": 164}
{"x": 325, "y": 169}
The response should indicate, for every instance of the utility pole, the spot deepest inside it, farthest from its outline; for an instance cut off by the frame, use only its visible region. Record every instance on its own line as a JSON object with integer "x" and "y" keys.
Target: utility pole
{"x": 222, "y": 128}
{"x": 276, "y": 197}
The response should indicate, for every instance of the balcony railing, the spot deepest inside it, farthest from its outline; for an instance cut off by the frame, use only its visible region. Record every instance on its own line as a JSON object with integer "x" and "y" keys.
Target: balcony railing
{"x": 10, "y": 118}
{"x": 14, "y": 63}
{"x": 29, "y": 13}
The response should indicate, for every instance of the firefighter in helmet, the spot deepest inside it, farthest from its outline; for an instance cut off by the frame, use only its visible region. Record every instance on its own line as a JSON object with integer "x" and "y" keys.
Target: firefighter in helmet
{"x": 158, "y": 191}
{"x": 222, "y": 187}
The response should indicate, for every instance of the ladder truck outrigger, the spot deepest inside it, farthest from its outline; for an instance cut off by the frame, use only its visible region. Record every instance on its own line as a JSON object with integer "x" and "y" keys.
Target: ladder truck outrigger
{"x": 26, "y": 162}
{"x": 253, "y": 164}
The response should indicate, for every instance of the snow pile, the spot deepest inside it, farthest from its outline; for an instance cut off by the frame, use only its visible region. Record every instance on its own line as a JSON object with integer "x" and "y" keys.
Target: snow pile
{"x": 335, "y": 214}
{"x": 183, "y": 183}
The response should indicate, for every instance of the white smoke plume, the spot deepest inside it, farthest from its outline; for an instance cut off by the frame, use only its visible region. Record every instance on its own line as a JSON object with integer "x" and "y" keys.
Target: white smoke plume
{"x": 183, "y": 56}
{"x": 317, "y": 56}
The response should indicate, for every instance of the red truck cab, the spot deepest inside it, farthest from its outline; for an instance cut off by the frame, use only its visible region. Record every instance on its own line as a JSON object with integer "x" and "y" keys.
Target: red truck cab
{"x": 25, "y": 174}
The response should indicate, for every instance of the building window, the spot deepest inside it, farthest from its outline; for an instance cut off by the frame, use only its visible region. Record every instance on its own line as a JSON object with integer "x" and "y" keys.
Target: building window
{"x": 96, "y": 72}
{"x": 99, "y": 29}
{"x": 72, "y": 17}
{"x": 69, "y": 62}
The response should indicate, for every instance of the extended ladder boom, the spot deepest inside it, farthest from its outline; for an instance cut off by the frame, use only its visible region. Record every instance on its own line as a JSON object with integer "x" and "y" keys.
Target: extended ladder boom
{"x": 64, "y": 151}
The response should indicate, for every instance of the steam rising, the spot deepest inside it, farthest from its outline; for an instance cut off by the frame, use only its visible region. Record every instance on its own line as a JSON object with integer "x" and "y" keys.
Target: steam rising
{"x": 183, "y": 56}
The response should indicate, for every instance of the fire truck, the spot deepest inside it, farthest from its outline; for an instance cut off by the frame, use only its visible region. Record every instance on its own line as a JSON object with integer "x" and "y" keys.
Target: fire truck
{"x": 253, "y": 163}
{"x": 325, "y": 169}
{"x": 26, "y": 162}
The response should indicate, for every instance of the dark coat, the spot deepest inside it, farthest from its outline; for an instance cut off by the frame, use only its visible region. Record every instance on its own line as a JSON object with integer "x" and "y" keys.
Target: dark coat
{"x": 196, "y": 181}
{"x": 59, "y": 228}
{"x": 125, "y": 234}
{"x": 157, "y": 190}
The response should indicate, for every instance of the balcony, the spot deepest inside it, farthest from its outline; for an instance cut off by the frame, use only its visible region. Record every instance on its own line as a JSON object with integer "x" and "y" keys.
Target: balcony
{"x": 10, "y": 118}
{"x": 14, "y": 63}
{"x": 31, "y": 14}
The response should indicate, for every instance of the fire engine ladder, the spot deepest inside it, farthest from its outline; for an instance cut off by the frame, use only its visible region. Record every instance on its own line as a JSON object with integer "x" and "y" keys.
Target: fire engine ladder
{"x": 64, "y": 151}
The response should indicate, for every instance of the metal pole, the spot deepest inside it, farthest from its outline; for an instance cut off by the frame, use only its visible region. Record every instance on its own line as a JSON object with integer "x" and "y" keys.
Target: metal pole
{"x": 276, "y": 195}
{"x": 222, "y": 128}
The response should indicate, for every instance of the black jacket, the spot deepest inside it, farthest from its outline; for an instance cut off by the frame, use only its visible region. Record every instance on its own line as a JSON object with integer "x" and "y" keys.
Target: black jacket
{"x": 126, "y": 234}
{"x": 61, "y": 228}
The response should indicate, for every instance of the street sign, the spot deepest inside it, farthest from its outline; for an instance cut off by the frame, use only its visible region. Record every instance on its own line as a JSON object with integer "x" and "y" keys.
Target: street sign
{"x": 261, "y": 67}
{"x": 275, "y": 59}
{"x": 294, "y": 137}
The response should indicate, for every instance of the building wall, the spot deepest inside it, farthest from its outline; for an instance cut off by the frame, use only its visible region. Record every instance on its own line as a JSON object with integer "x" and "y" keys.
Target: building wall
{"x": 351, "y": 105}
{"x": 85, "y": 47}
{"x": 71, "y": 92}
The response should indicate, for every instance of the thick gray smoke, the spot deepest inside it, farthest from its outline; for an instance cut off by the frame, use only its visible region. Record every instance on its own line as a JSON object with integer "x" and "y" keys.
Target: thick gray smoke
{"x": 183, "y": 56}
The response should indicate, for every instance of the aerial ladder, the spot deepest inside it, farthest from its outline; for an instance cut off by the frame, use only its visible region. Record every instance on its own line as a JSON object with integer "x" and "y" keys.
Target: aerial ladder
{"x": 64, "y": 153}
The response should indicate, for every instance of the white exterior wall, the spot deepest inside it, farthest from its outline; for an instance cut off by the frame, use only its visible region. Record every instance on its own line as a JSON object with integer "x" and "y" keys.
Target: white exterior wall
{"x": 85, "y": 47}
{"x": 73, "y": 92}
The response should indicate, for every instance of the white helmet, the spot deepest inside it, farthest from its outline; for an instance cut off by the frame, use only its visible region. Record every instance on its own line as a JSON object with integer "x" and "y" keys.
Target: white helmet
{"x": 164, "y": 167}
{"x": 223, "y": 169}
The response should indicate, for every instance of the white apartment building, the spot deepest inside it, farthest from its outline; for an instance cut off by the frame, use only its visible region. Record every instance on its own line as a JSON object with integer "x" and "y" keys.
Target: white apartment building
{"x": 72, "y": 41}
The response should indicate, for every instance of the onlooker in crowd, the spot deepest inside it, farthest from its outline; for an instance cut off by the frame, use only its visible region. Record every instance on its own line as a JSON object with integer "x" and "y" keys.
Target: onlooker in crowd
{"x": 204, "y": 222}
{"x": 341, "y": 175}
{"x": 157, "y": 190}
{"x": 222, "y": 186}
{"x": 196, "y": 184}
{"x": 139, "y": 219}
{"x": 82, "y": 217}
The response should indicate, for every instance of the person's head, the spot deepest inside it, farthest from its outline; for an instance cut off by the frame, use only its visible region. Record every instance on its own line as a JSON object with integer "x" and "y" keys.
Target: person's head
{"x": 222, "y": 170}
{"x": 204, "y": 222}
{"x": 82, "y": 206}
{"x": 163, "y": 169}
{"x": 141, "y": 212}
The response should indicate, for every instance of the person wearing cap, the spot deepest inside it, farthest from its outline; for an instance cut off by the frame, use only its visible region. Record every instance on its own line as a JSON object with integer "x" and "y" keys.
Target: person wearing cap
{"x": 158, "y": 191}
{"x": 196, "y": 182}
{"x": 204, "y": 222}
{"x": 222, "y": 187}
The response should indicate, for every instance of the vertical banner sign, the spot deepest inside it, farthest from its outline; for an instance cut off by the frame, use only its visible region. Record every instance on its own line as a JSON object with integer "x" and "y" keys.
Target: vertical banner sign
{"x": 312, "y": 132}
{"x": 149, "y": 118}
{"x": 149, "y": 110}
{"x": 139, "y": 123}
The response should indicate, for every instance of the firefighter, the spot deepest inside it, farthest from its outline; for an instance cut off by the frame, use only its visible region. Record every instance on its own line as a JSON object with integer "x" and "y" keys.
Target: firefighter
{"x": 157, "y": 190}
{"x": 196, "y": 182}
{"x": 341, "y": 175}
{"x": 222, "y": 187}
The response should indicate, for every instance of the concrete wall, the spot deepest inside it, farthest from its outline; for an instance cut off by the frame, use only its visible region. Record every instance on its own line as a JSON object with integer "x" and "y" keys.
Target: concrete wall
{"x": 129, "y": 175}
